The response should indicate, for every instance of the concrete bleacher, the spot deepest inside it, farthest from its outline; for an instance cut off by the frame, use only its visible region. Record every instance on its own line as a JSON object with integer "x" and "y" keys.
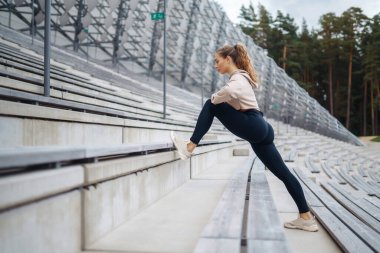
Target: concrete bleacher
{"x": 77, "y": 65}
{"x": 90, "y": 91}
{"x": 78, "y": 164}
{"x": 344, "y": 206}
{"x": 107, "y": 106}
{"x": 93, "y": 166}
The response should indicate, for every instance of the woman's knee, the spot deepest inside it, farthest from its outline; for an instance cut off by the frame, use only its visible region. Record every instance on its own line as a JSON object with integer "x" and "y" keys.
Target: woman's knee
{"x": 208, "y": 103}
{"x": 217, "y": 108}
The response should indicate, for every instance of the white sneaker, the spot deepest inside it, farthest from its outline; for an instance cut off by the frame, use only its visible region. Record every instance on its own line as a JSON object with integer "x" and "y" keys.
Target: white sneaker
{"x": 181, "y": 146}
{"x": 300, "y": 223}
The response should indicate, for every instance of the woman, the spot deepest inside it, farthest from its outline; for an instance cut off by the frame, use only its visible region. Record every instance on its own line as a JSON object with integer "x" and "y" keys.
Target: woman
{"x": 236, "y": 107}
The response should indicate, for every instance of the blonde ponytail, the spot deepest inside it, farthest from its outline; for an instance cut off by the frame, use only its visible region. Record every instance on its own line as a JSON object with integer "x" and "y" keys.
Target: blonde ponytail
{"x": 243, "y": 61}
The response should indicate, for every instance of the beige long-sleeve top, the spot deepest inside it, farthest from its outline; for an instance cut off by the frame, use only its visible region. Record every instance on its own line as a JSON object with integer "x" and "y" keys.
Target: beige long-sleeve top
{"x": 238, "y": 91}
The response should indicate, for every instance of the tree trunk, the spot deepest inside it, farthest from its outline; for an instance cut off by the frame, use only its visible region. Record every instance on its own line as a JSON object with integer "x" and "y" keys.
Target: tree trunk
{"x": 377, "y": 106}
{"x": 372, "y": 110}
{"x": 361, "y": 116}
{"x": 349, "y": 90}
{"x": 305, "y": 74}
{"x": 336, "y": 95}
{"x": 365, "y": 110}
{"x": 330, "y": 89}
{"x": 375, "y": 121}
{"x": 284, "y": 58}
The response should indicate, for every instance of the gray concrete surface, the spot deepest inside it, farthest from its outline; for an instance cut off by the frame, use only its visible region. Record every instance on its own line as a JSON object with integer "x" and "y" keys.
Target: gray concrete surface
{"x": 174, "y": 222}
{"x": 300, "y": 241}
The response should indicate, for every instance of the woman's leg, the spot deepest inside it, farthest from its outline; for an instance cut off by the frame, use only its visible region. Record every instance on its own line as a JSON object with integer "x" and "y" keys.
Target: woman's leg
{"x": 260, "y": 134}
{"x": 267, "y": 152}
{"x": 204, "y": 121}
{"x": 231, "y": 118}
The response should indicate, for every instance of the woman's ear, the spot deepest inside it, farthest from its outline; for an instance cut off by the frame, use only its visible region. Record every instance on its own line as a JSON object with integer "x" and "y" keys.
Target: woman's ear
{"x": 229, "y": 59}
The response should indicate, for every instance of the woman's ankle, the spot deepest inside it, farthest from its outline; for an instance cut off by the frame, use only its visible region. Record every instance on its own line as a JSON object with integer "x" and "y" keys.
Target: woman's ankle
{"x": 191, "y": 146}
{"x": 306, "y": 215}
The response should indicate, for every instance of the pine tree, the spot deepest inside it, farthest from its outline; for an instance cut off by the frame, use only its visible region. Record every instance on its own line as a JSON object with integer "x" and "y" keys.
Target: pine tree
{"x": 352, "y": 21}
{"x": 329, "y": 43}
{"x": 344, "y": 50}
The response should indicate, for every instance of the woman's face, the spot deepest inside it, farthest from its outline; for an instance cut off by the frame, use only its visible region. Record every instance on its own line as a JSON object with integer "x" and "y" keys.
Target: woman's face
{"x": 222, "y": 65}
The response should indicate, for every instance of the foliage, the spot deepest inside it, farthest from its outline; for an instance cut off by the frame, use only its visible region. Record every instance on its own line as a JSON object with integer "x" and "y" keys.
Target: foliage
{"x": 338, "y": 63}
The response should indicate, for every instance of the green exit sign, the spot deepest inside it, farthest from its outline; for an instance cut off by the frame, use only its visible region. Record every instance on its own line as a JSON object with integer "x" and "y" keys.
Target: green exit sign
{"x": 157, "y": 15}
{"x": 276, "y": 106}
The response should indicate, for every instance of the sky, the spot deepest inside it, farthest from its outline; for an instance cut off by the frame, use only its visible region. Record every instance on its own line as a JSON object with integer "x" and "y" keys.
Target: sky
{"x": 311, "y": 10}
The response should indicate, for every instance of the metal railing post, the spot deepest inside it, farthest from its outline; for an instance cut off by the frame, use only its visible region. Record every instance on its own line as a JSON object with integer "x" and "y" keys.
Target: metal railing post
{"x": 47, "y": 49}
{"x": 164, "y": 59}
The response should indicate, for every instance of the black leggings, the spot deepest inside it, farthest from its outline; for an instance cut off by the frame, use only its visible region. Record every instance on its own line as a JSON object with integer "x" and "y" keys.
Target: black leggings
{"x": 252, "y": 127}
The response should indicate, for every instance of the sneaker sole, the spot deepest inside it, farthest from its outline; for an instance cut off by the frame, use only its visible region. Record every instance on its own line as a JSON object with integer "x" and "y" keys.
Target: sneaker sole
{"x": 313, "y": 228}
{"x": 182, "y": 156}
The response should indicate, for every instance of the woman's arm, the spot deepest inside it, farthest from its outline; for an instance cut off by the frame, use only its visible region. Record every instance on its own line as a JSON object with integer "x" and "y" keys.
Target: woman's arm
{"x": 225, "y": 94}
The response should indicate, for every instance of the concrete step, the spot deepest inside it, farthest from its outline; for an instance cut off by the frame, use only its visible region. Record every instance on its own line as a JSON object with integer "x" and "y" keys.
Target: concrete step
{"x": 174, "y": 222}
